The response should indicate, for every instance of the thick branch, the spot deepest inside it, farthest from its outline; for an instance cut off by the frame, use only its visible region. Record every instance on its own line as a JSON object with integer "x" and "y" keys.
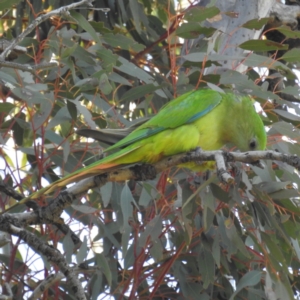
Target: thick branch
{"x": 53, "y": 255}
{"x": 53, "y": 278}
{"x": 286, "y": 14}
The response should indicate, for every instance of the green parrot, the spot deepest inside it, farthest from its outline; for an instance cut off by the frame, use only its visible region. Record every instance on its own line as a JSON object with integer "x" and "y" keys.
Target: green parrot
{"x": 202, "y": 118}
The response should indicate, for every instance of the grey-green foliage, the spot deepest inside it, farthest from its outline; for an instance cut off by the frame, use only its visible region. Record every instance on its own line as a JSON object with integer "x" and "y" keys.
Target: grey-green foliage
{"x": 228, "y": 242}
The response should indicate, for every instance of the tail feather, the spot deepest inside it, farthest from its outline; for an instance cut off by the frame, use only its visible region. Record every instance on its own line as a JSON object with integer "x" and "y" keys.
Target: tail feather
{"x": 101, "y": 169}
{"x": 102, "y": 166}
{"x": 106, "y": 164}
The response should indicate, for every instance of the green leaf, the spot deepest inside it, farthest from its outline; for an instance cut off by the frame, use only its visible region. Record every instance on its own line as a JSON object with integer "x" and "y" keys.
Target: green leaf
{"x": 145, "y": 197}
{"x": 256, "y": 23}
{"x": 123, "y": 42}
{"x": 132, "y": 70}
{"x": 255, "y": 60}
{"x": 292, "y": 90}
{"x": 18, "y": 130}
{"x": 68, "y": 246}
{"x": 138, "y": 92}
{"x": 245, "y": 85}
{"x": 190, "y": 289}
{"x": 68, "y": 51}
{"x": 286, "y": 129}
{"x": 274, "y": 249}
{"x": 84, "y": 209}
{"x": 123, "y": 10}
{"x": 99, "y": 27}
{"x": 104, "y": 84}
{"x": 199, "y": 14}
{"x": 234, "y": 237}
{"x": 106, "y": 191}
{"x": 6, "y": 107}
{"x": 127, "y": 210}
{"x": 219, "y": 193}
{"x": 283, "y": 288}
{"x": 249, "y": 279}
{"x": 287, "y": 115}
{"x": 115, "y": 77}
{"x": 82, "y": 22}
{"x": 216, "y": 250}
{"x": 152, "y": 231}
{"x": 17, "y": 264}
{"x": 292, "y": 34}
{"x": 262, "y": 45}
{"x": 6, "y": 4}
{"x": 107, "y": 57}
{"x": 206, "y": 265}
{"x": 198, "y": 57}
{"x": 61, "y": 116}
{"x": 66, "y": 149}
{"x": 72, "y": 110}
{"x": 192, "y": 30}
{"x": 130, "y": 257}
{"x": 86, "y": 114}
{"x": 291, "y": 55}
{"x": 96, "y": 284}
{"x": 272, "y": 187}
{"x": 226, "y": 242}
{"x": 136, "y": 12}
{"x": 53, "y": 137}
{"x": 82, "y": 252}
{"x": 103, "y": 264}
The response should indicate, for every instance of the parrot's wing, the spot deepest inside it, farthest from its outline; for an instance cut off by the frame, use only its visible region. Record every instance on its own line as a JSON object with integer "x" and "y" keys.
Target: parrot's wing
{"x": 185, "y": 109}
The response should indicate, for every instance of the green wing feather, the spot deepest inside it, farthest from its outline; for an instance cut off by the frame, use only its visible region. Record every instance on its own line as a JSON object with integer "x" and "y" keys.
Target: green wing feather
{"x": 183, "y": 110}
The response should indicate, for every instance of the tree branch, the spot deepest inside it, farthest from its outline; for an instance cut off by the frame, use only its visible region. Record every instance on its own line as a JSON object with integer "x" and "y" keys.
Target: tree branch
{"x": 11, "y": 225}
{"x": 53, "y": 278}
{"x": 286, "y": 14}
{"x": 51, "y": 213}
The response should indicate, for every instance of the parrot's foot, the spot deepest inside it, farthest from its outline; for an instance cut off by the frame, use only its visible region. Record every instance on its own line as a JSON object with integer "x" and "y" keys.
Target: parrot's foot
{"x": 143, "y": 172}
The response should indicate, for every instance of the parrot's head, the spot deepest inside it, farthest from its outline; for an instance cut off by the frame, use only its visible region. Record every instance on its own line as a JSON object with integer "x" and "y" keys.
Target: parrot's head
{"x": 248, "y": 131}
{"x": 253, "y": 140}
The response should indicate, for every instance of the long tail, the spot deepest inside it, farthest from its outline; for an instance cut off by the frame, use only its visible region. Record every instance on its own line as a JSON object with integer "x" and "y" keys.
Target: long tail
{"x": 102, "y": 166}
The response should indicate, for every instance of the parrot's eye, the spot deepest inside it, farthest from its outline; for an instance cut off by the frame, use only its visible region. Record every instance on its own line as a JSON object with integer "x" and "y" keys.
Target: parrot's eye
{"x": 253, "y": 144}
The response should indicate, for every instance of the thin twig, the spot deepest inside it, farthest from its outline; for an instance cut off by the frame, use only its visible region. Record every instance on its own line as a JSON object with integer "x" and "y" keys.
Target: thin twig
{"x": 60, "y": 11}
